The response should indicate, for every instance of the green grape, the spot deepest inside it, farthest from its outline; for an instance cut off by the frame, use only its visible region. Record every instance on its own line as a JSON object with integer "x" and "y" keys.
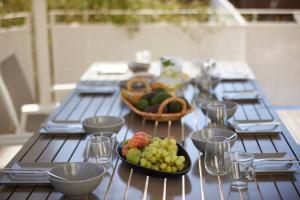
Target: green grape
{"x": 169, "y": 169}
{"x": 163, "y": 143}
{"x": 163, "y": 166}
{"x": 173, "y": 142}
{"x": 143, "y": 162}
{"x": 155, "y": 139}
{"x": 148, "y": 156}
{"x": 178, "y": 162}
{"x": 168, "y": 159}
{"x": 173, "y": 153}
{"x": 156, "y": 143}
{"x": 159, "y": 152}
{"x": 151, "y": 145}
{"x": 173, "y": 158}
{"x": 180, "y": 167}
{"x": 153, "y": 159}
{"x": 147, "y": 148}
{"x": 165, "y": 153}
{"x": 174, "y": 169}
{"x": 154, "y": 150}
{"x": 155, "y": 167}
{"x": 144, "y": 154}
{"x": 182, "y": 158}
{"x": 165, "y": 170}
{"x": 148, "y": 165}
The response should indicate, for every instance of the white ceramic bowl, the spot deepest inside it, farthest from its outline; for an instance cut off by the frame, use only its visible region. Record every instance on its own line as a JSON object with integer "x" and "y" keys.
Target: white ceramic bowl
{"x": 200, "y": 137}
{"x": 82, "y": 178}
{"x": 103, "y": 124}
{"x": 231, "y": 107}
{"x": 138, "y": 67}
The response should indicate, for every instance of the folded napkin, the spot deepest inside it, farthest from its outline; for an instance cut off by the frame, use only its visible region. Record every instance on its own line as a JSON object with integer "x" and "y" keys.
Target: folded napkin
{"x": 251, "y": 95}
{"x": 52, "y": 127}
{"x": 105, "y": 89}
{"x": 232, "y": 70}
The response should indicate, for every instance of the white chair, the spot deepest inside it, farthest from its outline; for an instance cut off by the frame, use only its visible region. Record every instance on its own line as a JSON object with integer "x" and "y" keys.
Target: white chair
{"x": 18, "y": 102}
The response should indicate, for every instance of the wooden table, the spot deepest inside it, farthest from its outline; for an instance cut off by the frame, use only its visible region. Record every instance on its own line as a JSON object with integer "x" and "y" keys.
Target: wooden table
{"x": 125, "y": 183}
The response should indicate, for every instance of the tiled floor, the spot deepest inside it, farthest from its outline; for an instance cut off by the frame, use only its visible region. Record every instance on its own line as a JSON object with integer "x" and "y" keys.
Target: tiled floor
{"x": 7, "y": 153}
{"x": 291, "y": 119}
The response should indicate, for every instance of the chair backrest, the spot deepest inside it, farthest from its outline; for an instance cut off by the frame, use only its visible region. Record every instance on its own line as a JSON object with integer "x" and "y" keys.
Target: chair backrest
{"x": 14, "y": 92}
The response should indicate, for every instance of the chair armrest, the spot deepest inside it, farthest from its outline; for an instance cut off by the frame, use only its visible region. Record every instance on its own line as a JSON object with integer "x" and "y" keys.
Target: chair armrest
{"x": 63, "y": 87}
{"x": 38, "y": 109}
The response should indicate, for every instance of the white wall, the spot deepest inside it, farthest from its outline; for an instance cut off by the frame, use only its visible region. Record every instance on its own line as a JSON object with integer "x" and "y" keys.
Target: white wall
{"x": 75, "y": 48}
{"x": 273, "y": 52}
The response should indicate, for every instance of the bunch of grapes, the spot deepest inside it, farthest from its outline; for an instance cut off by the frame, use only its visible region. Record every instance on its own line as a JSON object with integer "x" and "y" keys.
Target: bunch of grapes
{"x": 161, "y": 155}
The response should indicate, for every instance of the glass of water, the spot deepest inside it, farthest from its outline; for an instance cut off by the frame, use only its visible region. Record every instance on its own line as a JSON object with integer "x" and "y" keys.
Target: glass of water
{"x": 241, "y": 169}
{"x": 216, "y": 158}
{"x": 113, "y": 140}
{"x": 99, "y": 150}
{"x": 216, "y": 112}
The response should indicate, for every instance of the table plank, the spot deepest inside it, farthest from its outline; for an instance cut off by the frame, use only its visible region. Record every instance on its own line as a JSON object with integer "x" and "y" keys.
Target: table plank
{"x": 66, "y": 109}
{"x": 77, "y": 113}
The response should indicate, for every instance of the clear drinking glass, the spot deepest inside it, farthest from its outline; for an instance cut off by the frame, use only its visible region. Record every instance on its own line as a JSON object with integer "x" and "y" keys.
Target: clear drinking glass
{"x": 241, "y": 169}
{"x": 216, "y": 112}
{"x": 113, "y": 140}
{"x": 204, "y": 84}
{"x": 216, "y": 158}
{"x": 99, "y": 150}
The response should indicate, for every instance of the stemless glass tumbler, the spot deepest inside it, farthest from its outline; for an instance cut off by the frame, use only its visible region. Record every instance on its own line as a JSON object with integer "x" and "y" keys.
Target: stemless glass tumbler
{"x": 99, "y": 150}
{"x": 241, "y": 169}
{"x": 113, "y": 140}
{"x": 216, "y": 159}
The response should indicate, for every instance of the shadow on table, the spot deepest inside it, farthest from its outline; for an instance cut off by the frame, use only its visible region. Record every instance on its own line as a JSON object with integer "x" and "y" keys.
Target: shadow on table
{"x": 238, "y": 194}
{"x": 138, "y": 180}
{"x": 135, "y": 124}
{"x": 89, "y": 197}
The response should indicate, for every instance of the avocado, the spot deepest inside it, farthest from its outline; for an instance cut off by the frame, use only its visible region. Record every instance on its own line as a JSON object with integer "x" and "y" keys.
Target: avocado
{"x": 160, "y": 97}
{"x": 160, "y": 90}
{"x": 149, "y": 96}
{"x": 174, "y": 107}
{"x": 154, "y": 109}
{"x": 142, "y": 104}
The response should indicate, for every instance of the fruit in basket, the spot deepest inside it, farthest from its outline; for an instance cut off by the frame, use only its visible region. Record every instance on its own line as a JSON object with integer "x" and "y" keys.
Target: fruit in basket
{"x": 158, "y": 154}
{"x": 159, "y": 85}
{"x": 159, "y": 98}
{"x": 132, "y": 97}
{"x": 174, "y": 107}
{"x": 152, "y": 109}
{"x": 133, "y": 155}
{"x": 142, "y": 104}
{"x": 149, "y": 96}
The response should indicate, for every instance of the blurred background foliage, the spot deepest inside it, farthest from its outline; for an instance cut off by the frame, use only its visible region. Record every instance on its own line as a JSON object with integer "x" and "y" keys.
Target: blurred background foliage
{"x": 12, "y": 6}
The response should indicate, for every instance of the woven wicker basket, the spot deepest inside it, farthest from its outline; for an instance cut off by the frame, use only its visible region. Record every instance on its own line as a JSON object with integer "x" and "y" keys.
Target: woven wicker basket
{"x": 160, "y": 116}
